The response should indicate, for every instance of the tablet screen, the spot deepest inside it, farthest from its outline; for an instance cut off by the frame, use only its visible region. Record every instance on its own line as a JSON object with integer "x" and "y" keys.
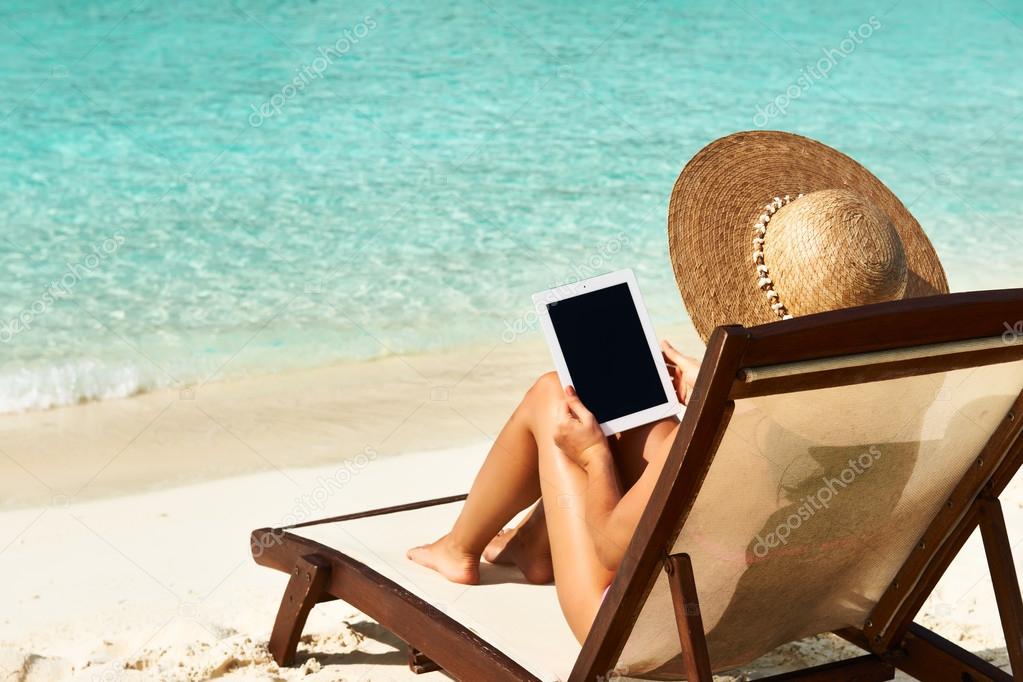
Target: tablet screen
{"x": 606, "y": 351}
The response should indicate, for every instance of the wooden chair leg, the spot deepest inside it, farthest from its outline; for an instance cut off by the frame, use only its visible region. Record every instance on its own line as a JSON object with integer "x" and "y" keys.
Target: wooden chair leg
{"x": 304, "y": 590}
{"x": 1003, "y": 577}
{"x": 928, "y": 656}
{"x": 420, "y": 663}
{"x": 695, "y": 656}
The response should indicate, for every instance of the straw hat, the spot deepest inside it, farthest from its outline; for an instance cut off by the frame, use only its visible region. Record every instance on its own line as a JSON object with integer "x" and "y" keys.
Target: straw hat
{"x": 763, "y": 226}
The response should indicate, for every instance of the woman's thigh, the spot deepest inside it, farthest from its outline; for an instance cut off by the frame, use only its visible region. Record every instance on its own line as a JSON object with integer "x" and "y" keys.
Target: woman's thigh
{"x": 579, "y": 576}
{"x": 632, "y": 449}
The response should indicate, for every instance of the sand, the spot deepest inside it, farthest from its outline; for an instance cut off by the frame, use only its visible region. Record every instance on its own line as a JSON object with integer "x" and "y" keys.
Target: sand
{"x": 124, "y": 532}
{"x": 277, "y": 422}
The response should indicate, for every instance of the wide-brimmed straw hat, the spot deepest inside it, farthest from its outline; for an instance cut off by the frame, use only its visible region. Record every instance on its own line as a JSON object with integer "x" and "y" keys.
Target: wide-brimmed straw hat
{"x": 765, "y": 225}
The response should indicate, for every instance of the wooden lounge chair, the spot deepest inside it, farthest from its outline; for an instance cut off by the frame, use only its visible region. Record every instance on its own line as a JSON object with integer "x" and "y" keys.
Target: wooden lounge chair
{"x": 827, "y": 471}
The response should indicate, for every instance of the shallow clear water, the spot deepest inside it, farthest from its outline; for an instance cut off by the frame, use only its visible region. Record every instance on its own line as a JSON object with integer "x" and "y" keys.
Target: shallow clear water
{"x": 206, "y": 189}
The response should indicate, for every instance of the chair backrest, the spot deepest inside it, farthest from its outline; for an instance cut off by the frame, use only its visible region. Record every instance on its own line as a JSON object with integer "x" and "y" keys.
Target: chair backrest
{"x": 801, "y": 486}
{"x": 815, "y": 500}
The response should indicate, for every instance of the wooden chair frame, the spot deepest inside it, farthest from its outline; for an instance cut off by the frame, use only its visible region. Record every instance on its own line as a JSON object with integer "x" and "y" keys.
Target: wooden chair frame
{"x": 889, "y": 637}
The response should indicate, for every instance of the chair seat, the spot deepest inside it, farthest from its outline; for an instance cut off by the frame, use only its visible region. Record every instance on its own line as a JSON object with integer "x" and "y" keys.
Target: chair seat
{"x": 524, "y": 621}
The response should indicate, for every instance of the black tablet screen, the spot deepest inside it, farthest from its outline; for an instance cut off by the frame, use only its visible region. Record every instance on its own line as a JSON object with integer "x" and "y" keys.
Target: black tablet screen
{"x": 607, "y": 353}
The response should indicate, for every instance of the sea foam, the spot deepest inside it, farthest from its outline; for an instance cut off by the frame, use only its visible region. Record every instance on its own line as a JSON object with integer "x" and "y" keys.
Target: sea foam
{"x": 43, "y": 387}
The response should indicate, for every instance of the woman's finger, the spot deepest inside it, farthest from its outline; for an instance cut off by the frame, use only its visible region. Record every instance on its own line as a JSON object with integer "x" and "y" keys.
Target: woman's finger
{"x": 689, "y": 368}
{"x": 685, "y": 364}
{"x": 565, "y": 412}
{"x": 671, "y": 353}
{"x": 673, "y": 370}
{"x": 576, "y": 405}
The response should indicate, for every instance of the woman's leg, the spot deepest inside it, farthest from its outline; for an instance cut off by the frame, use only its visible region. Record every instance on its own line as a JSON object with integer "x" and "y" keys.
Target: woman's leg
{"x": 579, "y": 575}
{"x": 524, "y": 462}
{"x": 528, "y": 546}
{"x": 507, "y": 483}
{"x": 632, "y": 449}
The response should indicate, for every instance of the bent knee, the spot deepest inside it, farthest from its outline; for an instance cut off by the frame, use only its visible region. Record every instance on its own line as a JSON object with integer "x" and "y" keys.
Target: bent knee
{"x": 544, "y": 392}
{"x": 548, "y": 385}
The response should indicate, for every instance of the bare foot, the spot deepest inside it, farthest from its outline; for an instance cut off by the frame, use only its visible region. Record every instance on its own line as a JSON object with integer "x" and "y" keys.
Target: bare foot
{"x": 495, "y": 551}
{"x": 443, "y": 557}
{"x": 513, "y": 546}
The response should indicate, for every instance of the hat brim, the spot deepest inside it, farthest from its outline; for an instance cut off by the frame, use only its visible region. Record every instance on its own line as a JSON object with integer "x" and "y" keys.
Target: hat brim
{"x": 721, "y": 192}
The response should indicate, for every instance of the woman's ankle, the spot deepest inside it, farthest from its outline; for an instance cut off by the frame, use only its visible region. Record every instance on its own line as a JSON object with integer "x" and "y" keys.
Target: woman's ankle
{"x": 455, "y": 544}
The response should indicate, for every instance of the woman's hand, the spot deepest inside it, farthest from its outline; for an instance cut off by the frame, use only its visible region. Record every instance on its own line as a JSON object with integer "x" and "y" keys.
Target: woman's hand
{"x": 683, "y": 371}
{"x": 577, "y": 432}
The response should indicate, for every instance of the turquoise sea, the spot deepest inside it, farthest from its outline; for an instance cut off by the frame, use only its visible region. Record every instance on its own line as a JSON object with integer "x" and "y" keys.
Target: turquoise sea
{"x": 200, "y": 189}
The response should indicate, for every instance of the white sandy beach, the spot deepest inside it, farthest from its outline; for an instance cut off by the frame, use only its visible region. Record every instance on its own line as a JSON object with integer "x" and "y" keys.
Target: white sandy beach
{"x": 124, "y": 540}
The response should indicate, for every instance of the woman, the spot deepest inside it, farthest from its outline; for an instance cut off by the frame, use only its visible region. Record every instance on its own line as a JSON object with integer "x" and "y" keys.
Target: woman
{"x": 592, "y": 490}
{"x": 844, "y": 240}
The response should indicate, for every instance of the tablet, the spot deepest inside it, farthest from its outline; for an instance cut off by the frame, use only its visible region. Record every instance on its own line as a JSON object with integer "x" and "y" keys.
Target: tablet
{"x": 603, "y": 344}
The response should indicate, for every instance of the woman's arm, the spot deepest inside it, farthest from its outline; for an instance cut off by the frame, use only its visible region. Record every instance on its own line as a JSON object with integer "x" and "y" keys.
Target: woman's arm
{"x": 612, "y": 516}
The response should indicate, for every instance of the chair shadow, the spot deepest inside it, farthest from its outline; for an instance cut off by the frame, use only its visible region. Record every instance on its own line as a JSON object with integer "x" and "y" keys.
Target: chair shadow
{"x": 367, "y": 630}
{"x": 355, "y": 658}
{"x": 490, "y": 574}
{"x": 499, "y": 574}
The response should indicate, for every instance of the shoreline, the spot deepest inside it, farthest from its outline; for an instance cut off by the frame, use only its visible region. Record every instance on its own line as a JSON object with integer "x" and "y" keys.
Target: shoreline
{"x": 293, "y": 419}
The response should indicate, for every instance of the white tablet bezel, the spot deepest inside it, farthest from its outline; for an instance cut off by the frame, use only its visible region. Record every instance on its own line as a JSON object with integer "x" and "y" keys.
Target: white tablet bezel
{"x": 670, "y": 407}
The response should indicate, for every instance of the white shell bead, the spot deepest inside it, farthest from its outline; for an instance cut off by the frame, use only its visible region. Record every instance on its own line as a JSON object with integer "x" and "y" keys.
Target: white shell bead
{"x": 764, "y": 282}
